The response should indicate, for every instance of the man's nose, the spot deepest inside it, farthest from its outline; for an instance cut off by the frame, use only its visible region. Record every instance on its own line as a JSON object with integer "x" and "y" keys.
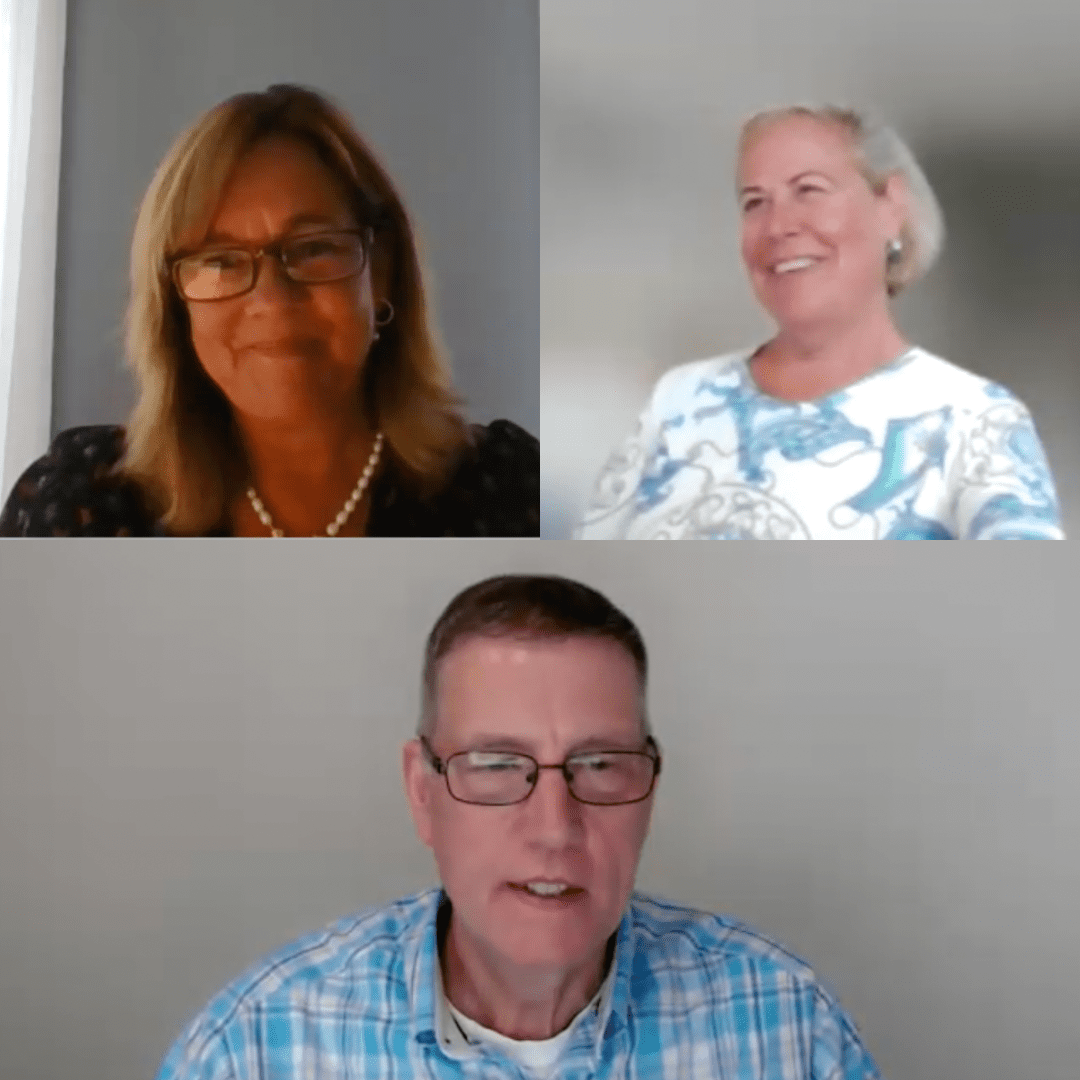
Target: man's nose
{"x": 555, "y": 813}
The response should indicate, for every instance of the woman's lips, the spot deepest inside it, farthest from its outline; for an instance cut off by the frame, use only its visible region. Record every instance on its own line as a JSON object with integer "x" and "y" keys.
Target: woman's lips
{"x": 284, "y": 349}
{"x": 279, "y": 345}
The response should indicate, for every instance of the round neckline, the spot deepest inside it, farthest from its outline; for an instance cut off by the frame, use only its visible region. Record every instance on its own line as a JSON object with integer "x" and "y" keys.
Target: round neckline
{"x": 897, "y": 362}
{"x": 486, "y": 1034}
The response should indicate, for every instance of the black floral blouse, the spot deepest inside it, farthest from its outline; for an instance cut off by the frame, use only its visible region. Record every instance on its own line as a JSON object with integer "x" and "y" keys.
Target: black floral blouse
{"x": 75, "y": 490}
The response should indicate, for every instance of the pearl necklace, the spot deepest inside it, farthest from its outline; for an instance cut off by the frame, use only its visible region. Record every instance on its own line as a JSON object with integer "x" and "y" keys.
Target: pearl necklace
{"x": 343, "y": 513}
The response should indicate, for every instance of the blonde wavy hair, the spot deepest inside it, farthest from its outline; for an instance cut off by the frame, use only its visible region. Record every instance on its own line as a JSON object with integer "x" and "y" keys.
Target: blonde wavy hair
{"x": 182, "y": 446}
{"x": 879, "y": 154}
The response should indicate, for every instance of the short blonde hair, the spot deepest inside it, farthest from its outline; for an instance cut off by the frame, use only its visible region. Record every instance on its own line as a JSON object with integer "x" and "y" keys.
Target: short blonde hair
{"x": 182, "y": 444}
{"x": 880, "y": 153}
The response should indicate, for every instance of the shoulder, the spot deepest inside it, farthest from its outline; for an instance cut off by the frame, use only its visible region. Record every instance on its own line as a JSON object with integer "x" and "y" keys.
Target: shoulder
{"x": 351, "y": 950}
{"x": 503, "y": 446}
{"x": 499, "y": 481}
{"x": 494, "y": 490}
{"x": 693, "y": 960}
{"x": 680, "y": 385}
{"x": 343, "y": 970}
{"x": 954, "y": 384}
{"x": 75, "y": 490}
{"x": 82, "y": 449}
{"x": 673, "y": 936}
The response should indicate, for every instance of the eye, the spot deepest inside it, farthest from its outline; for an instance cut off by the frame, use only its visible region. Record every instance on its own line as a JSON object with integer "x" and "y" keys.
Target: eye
{"x": 480, "y": 761}
{"x": 810, "y": 189}
{"x": 309, "y": 249}
{"x": 319, "y": 246}
{"x": 221, "y": 260}
{"x": 750, "y": 203}
{"x": 594, "y": 763}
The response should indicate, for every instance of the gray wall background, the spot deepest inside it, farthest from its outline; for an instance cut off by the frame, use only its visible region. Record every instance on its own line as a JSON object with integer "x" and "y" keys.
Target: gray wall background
{"x": 447, "y": 94}
{"x": 641, "y": 105}
{"x": 871, "y": 753}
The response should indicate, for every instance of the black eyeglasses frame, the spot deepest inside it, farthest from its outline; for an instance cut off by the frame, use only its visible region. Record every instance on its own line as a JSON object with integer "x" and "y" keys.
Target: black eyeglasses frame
{"x": 442, "y": 766}
{"x": 275, "y": 250}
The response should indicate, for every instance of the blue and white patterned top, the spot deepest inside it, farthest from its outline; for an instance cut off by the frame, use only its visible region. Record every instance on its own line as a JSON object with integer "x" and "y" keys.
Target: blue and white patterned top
{"x": 919, "y": 449}
{"x": 694, "y": 997}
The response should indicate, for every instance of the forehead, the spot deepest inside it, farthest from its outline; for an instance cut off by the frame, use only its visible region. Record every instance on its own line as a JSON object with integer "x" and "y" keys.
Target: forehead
{"x": 795, "y": 144}
{"x": 280, "y": 176}
{"x": 562, "y": 689}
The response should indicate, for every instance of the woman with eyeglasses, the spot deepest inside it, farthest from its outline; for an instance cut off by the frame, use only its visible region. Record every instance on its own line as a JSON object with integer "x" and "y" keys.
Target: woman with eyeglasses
{"x": 836, "y": 427}
{"x": 290, "y": 378}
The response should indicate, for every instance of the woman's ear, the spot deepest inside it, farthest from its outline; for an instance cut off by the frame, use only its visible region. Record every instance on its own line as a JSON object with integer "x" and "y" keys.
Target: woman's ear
{"x": 893, "y": 201}
{"x": 381, "y": 268}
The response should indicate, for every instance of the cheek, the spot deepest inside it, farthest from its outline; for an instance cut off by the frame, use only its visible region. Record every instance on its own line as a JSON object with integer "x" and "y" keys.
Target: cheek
{"x": 468, "y": 850}
{"x": 344, "y": 316}
{"x": 614, "y": 850}
{"x": 850, "y": 224}
{"x": 210, "y": 332}
{"x": 749, "y": 243}
{"x": 350, "y": 321}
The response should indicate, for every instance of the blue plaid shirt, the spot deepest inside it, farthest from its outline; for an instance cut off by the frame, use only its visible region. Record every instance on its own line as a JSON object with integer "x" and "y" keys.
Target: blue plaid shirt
{"x": 694, "y": 997}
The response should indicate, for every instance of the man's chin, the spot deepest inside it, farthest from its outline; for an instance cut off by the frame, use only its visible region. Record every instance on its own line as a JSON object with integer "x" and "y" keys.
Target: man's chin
{"x": 549, "y": 956}
{"x": 547, "y": 945}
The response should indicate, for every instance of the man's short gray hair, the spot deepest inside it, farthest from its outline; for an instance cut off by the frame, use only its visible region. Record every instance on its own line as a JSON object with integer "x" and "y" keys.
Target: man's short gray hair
{"x": 880, "y": 154}
{"x": 527, "y": 607}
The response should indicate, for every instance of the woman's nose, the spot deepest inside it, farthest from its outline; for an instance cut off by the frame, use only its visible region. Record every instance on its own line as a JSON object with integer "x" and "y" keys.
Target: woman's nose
{"x": 781, "y": 218}
{"x": 271, "y": 283}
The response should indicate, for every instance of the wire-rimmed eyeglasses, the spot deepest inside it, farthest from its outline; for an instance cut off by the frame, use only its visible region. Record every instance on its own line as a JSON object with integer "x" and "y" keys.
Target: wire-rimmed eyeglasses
{"x": 226, "y": 272}
{"x": 502, "y": 778}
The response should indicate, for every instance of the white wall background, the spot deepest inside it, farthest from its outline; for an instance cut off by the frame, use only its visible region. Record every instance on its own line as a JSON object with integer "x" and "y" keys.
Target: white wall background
{"x": 447, "y": 95}
{"x": 641, "y": 103}
{"x": 871, "y": 754}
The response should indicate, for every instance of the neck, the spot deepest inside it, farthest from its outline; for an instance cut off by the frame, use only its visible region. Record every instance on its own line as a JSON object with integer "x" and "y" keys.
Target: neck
{"x": 802, "y": 363}
{"x": 520, "y": 1003}
{"x": 304, "y": 473}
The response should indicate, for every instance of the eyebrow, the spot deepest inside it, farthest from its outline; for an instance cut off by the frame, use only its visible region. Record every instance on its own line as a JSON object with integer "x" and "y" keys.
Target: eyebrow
{"x": 294, "y": 222}
{"x": 502, "y": 743}
{"x": 794, "y": 180}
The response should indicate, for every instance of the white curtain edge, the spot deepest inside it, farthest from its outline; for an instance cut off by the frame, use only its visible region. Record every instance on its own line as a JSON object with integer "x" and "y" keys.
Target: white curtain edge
{"x": 29, "y": 335}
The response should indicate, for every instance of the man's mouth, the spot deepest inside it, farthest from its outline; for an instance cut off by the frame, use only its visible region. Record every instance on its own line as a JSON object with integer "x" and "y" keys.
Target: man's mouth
{"x": 548, "y": 890}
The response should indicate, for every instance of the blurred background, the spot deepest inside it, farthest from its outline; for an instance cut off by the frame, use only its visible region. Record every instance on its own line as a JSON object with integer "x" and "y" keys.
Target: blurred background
{"x": 641, "y": 104}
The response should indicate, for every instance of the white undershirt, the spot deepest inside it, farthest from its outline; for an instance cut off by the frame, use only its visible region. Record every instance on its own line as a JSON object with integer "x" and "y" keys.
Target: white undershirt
{"x": 535, "y": 1056}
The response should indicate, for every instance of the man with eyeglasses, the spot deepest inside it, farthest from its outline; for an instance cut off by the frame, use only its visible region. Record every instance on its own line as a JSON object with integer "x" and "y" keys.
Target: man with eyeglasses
{"x": 531, "y": 779}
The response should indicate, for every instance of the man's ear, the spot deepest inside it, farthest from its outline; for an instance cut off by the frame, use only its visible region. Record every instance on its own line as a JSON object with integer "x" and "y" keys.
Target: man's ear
{"x": 418, "y": 788}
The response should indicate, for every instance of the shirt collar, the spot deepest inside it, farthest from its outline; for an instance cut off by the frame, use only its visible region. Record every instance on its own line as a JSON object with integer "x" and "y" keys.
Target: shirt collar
{"x": 429, "y": 1020}
{"x": 421, "y": 968}
{"x": 615, "y": 1006}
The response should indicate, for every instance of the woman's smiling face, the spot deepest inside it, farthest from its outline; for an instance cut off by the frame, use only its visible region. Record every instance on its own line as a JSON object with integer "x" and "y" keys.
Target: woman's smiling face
{"x": 814, "y": 233}
{"x": 284, "y": 351}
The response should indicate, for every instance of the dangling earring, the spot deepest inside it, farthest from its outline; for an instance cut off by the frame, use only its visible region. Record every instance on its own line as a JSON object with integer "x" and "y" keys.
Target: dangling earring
{"x": 893, "y": 250}
{"x": 384, "y": 321}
